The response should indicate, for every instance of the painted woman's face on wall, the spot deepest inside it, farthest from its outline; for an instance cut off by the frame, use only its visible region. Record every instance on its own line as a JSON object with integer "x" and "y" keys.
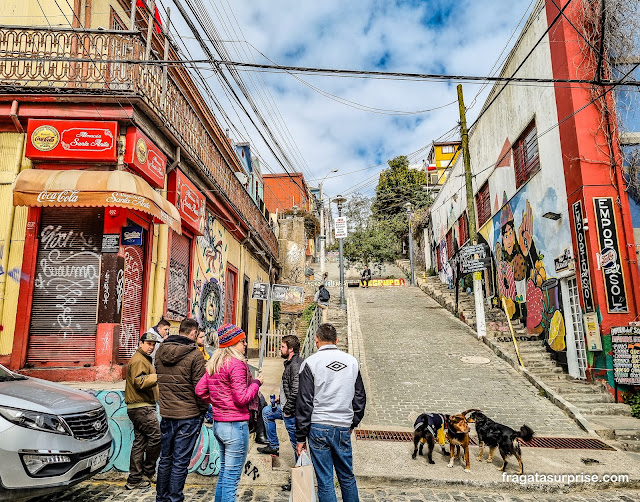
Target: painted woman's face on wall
{"x": 508, "y": 239}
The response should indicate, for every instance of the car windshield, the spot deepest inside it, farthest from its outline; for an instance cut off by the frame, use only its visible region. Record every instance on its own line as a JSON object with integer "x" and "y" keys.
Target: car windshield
{"x": 6, "y": 375}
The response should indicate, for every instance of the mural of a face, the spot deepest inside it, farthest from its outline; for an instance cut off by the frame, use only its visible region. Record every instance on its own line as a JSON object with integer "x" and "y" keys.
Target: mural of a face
{"x": 508, "y": 237}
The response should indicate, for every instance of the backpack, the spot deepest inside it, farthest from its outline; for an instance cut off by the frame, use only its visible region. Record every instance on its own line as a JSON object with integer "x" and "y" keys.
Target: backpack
{"x": 324, "y": 295}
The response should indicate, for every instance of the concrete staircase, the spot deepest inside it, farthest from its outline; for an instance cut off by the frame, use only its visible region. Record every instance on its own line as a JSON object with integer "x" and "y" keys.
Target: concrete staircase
{"x": 610, "y": 420}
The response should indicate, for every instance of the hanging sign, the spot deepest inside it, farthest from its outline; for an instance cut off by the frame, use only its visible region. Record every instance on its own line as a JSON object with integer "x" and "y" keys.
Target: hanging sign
{"x": 71, "y": 140}
{"x": 610, "y": 253}
{"x": 145, "y": 157}
{"x": 592, "y": 330}
{"x": 340, "y": 225}
{"x": 625, "y": 341}
{"x": 583, "y": 258}
{"x": 132, "y": 236}
{"x": 260, "y": 291}
{"x": 563, "y": 262}
{"x": 287, "y": 294}
{"x": 188, "y": 200}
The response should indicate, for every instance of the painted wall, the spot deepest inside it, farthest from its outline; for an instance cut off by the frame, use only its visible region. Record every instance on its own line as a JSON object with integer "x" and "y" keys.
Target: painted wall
{"x": 206, "y": 456}
{"x": 213, "y": 250}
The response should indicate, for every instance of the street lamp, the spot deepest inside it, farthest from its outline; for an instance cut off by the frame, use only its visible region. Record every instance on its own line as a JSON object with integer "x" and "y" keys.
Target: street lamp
{"x": 340, "y": 200}
{"x": 409, "y": 213}
{"x": 323, "y": 238}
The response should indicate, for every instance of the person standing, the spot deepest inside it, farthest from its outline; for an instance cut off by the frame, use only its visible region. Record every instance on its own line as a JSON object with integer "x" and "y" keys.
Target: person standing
{"x": 331, "y": 403}
{"x": 162, "y": 328}
{"x": 321, "y": 299}
{"x": 366, "y": 276}
{"x": 231, "y": 390}
{"x": 285, "y": 410}
{"x": 141, "y": 396}
{"x": 200, "y": 343}
{"x": 180, "y": 367}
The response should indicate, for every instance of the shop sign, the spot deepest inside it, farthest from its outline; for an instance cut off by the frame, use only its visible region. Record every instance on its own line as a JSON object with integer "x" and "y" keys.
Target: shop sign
{"x": 188, "y": 200}
{"x": 145, "y": 157}
{"x": 132, "y": 236}
{"x": 583, "y": 258}
{"x": 592, "y": 330}
{"x": 111, "y": 243}
{"x": 287, "y": 294}
{"x": 610, "y": 255}
{"x": 260, "y": 291}
{"x": 387, "y": 282}
{"x": 625, "y": 341}
{"x": 72, "y": 140}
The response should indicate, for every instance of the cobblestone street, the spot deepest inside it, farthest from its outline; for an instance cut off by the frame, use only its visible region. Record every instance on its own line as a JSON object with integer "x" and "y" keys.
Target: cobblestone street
{"x": 414, "y": 352}
{"x": 98, "y": 492}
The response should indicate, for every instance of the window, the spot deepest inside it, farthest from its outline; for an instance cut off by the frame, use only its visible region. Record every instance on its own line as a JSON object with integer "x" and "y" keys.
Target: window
{"x": 433, "y": 179}
{"x": 526, "y": 160}
{"x": 449, "y": 244}
{"x": 230, "y": 291}
{"x": 448, "y": 148}
{"x": 178, "y": 279}
{"x": 116, "y": 22}
{"x": 483, "y": 204}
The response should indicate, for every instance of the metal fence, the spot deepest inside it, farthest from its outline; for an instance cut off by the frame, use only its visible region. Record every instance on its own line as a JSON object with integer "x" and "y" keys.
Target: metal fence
{"x": 309, "y": 346}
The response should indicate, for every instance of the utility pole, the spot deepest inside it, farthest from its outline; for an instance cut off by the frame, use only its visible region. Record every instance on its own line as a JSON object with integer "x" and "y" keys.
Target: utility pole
{"x": 323, "y": 237}
{"x": 409, "y": 214}
{"x": 481, "y": 326}
{"x": 340, "y": 200}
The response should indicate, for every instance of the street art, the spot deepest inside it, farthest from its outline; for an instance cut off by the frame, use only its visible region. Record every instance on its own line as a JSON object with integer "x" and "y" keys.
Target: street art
{"x": 518, "y": 234}
{"x": 205, "y": 459}
{"x": 208, "y": 276}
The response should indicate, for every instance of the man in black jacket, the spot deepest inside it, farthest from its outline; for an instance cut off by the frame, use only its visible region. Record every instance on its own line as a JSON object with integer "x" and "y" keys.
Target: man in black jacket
{"x": 285, "y": 407}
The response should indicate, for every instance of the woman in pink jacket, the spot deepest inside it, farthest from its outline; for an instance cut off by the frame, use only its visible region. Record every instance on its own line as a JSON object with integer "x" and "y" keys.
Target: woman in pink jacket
{"x": 228, "y": 386}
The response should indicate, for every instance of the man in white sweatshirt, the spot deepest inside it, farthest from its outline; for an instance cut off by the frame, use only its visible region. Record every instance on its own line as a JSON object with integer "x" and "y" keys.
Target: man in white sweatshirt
{"x": 331, "y": 403}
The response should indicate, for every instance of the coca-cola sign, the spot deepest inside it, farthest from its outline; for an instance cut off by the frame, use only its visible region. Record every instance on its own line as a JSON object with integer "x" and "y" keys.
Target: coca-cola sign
{"x": 188, "y": 200}
{"x": 72, "y": 140}
{"x": 145, "y": 158}
{"x": 65, "y": 196}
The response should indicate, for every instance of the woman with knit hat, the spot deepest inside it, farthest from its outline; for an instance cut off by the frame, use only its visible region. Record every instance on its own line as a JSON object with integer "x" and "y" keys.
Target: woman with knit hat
{"x": 229, "y": 387}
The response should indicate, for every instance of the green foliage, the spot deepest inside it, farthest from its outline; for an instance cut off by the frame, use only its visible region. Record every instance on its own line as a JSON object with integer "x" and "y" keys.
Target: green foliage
{"x": 307, "y": 314}
{"x": 633, "y": 400}
{"x": 311, "y": 223}
{"x": 374, "y": 244}
{"x": 397, "y": 186}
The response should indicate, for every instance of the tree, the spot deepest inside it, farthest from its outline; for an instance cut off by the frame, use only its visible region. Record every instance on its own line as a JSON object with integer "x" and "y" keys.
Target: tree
{"x": 373, "y": 244}
{"x": 397, "y": 186}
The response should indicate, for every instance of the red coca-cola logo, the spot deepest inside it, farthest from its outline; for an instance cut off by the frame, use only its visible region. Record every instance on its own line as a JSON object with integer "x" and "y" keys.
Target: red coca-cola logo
{"x": 63, "y": 196}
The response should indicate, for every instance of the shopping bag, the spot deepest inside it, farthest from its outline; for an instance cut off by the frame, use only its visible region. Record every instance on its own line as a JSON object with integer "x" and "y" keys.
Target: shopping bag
{"x": 302, "y": 486}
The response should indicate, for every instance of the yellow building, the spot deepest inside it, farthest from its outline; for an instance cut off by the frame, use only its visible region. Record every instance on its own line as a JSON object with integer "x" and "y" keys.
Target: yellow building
{"x": 441, "y": 158}
{"x": 119, "y": 196}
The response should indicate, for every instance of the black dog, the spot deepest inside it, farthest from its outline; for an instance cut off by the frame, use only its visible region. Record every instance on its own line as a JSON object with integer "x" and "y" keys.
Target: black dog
{"x": 428, "y": 427}
{"x": 495, "y": 435}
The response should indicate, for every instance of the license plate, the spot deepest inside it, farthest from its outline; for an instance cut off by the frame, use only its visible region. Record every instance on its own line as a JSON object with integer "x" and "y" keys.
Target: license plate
{"x": 99, "y": 460}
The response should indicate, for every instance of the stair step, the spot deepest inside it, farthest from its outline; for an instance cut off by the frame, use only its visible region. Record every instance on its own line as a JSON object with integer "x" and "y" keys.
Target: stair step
{"x": 628, "y": 434}
{"x": 575, "y": 389}
{"x": 630, "y": 445}
{"x": 606, "y": 409}
{"x": 556, "y": 370}
{"x": 578, "y": 398}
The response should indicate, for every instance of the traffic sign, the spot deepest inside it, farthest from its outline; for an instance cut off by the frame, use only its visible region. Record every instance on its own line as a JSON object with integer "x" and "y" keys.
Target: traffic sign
{"x": 340, "y": 227}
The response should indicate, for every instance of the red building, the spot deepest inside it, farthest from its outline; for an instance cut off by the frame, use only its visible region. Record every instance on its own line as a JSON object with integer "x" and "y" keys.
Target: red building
{"x": 282, "y": 191}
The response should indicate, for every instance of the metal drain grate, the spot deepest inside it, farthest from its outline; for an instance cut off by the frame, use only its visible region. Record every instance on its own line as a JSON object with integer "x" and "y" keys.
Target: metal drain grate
{"x": 536, "y": 442}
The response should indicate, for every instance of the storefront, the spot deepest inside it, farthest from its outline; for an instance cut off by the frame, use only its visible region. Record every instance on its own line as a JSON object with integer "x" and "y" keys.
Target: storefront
{"x": 88, "y": 246}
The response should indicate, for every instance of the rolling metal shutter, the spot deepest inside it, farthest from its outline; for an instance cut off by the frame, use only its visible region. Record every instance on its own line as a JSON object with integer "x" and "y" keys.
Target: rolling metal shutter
{"x": 65, "y": 295}
{"x": 131, "y": 301}
{"x": 178, "y": 282}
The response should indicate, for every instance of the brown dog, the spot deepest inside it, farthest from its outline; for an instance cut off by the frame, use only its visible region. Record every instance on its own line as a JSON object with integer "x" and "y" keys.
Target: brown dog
{"x": 458, "y": 436}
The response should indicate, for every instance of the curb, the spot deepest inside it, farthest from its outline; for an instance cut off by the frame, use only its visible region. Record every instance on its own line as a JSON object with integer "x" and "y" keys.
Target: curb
{"x": 571, "y": 410}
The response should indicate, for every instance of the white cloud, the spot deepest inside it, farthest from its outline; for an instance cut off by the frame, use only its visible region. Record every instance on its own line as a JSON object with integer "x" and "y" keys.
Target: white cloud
{"x": 358, "y": 35}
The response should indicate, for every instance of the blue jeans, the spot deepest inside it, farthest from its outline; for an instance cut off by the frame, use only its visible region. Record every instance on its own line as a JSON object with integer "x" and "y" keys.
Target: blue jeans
{"x": 330, "y": 447}
{"x": 269, "y": 415}
{"x": 178, "y": 440}
{"x": 234, "y": 445}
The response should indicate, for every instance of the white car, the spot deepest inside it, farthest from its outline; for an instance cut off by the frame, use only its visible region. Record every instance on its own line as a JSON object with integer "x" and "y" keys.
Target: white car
{"x": 51, "y": 436}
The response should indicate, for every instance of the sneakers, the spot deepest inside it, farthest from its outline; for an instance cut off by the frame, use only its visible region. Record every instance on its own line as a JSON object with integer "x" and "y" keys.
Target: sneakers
{"x": 142, "y": 485}
{"x": 268, "y": 450}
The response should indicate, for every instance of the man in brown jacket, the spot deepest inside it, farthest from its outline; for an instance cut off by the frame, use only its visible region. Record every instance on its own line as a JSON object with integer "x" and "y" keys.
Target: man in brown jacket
{"x": 180, "y": 366}
{"x": 141, "y": 395}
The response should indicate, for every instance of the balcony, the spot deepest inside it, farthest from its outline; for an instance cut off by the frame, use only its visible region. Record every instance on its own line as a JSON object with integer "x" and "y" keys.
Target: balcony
{"x": 112, "y": 63}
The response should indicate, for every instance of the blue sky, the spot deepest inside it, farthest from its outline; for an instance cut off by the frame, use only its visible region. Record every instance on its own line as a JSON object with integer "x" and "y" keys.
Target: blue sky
{"x": 320, "y": 134}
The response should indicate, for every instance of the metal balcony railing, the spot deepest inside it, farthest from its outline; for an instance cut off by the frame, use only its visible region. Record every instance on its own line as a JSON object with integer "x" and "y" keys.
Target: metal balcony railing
{"x": 58, "y": 60}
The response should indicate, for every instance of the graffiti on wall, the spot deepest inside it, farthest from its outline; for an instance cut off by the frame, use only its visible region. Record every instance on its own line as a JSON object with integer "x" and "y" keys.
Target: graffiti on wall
{"x": 205, "y": 459}
{"x": 524, "y": 245}
{"x": 208, "y": 276}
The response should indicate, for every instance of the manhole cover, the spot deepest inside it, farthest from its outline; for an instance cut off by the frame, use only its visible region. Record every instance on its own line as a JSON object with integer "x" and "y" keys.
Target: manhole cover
{"x": 475, "y": 360}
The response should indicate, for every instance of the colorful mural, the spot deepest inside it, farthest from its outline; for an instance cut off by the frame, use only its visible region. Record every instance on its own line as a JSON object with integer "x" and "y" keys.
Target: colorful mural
{"x": 208, "y": 275}
{"x": 206, "y": 456}
{"x": 518, "y": 234}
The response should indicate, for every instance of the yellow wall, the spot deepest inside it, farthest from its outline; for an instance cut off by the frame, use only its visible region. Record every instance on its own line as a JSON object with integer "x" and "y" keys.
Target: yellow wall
{"x": 58, "y": 14}
{"x": 12, "y": 233}
{"x": 444, "y": 161}
{"x": 214, "y": 250}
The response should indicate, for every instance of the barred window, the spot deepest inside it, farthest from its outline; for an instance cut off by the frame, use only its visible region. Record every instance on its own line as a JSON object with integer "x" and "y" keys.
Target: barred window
{"x": 483, "y": 204}
{"x": 178, "y": 281}
{"x": 526, "y": 159}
